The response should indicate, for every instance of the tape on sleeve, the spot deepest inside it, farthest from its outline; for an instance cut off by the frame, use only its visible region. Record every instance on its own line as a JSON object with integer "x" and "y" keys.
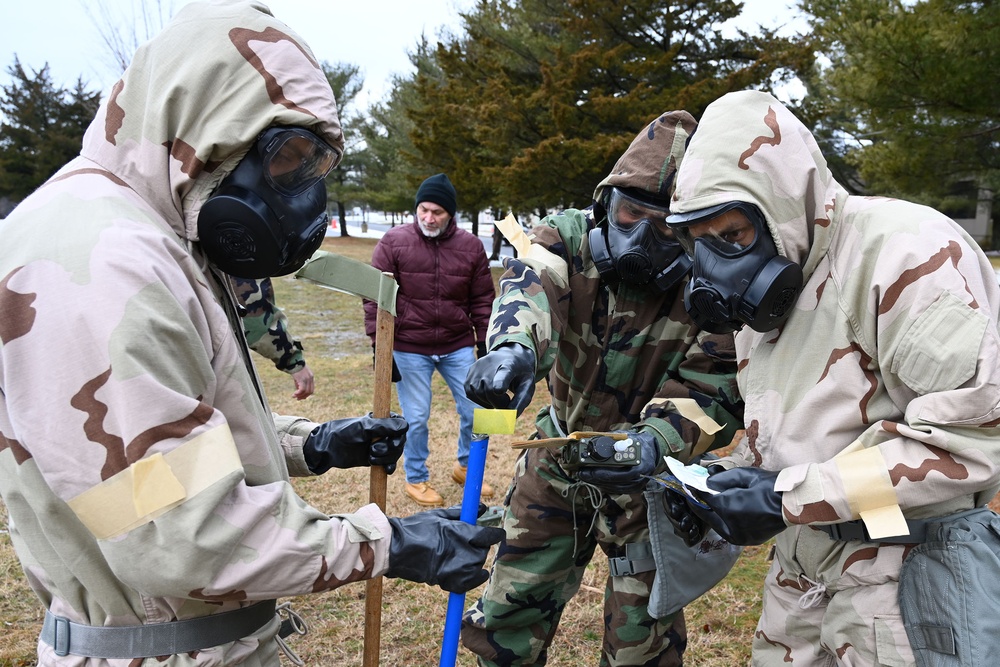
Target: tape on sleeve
{"x": 690, "y": 410}
{"x": 535, "y": 254}
{"x": 157, "y": 483}
{"x": 869, "y": 491}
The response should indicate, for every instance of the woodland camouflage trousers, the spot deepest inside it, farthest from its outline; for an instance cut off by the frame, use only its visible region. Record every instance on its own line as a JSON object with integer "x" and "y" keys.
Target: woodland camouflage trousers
{"x": 553, "y": 526}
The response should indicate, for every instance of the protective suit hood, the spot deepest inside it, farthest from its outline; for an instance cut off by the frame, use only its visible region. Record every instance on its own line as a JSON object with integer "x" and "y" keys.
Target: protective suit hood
{"x": 652, "y": 159}
{"x": 630, "y": 243}
{"x": 750, "y": 148}
{"x": 172, "y": 133}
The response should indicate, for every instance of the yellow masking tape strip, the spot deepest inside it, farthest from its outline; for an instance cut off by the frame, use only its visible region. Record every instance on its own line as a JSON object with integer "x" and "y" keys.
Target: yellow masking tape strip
{"x": 155, "y": 484}
{"x": 690, "y": 410}
{"x": 513, "y": 232}
{"x": 870, "y": 492}
{"x": 493, "y": 422}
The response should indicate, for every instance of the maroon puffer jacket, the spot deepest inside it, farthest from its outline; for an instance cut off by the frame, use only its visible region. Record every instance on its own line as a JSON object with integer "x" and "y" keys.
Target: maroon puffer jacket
{"x": 445, "y": 288}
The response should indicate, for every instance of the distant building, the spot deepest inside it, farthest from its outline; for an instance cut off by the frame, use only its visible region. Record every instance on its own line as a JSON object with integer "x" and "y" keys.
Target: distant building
{"x": 971, "y": 206}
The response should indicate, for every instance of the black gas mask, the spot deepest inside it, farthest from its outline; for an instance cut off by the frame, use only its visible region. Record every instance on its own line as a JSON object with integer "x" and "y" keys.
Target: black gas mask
{"x": 737, "y": 277}
{"x": 269, "y": 216}
{"x": 636, "y": 246}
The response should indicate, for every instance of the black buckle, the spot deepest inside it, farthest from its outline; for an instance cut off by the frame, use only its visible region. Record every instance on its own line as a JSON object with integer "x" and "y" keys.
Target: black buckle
{"x": 856, "y": 530}
{"x": 847, "y": 531}
{"x": 831, "y": 529}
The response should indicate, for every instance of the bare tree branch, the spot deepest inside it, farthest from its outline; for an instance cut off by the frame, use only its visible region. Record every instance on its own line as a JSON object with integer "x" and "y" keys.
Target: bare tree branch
{"x": 124, "y": 26}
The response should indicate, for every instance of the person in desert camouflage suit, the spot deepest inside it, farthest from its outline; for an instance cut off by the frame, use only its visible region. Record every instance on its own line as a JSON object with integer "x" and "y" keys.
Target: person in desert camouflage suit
{"x": 871, "y": 382}
{"x": 619, "y": 353}
{"x": 146, "y": 480}
{"x": 266, "y": 327}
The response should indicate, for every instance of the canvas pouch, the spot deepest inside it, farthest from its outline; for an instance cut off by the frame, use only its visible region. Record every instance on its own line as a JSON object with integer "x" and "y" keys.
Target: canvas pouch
{"x": 949, "y": 592}
{"x": 683, "y": 573}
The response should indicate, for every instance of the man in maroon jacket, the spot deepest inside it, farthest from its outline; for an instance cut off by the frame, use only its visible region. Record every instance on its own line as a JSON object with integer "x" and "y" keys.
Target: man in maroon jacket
{"x": 442, "y": 314}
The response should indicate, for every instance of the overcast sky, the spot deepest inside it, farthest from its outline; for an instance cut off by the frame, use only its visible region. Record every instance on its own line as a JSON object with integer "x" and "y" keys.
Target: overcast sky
{"x": 375, "y": 35}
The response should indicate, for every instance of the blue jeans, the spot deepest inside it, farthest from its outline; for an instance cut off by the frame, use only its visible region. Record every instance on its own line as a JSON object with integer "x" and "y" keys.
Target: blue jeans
{"x": 414, "y": 391}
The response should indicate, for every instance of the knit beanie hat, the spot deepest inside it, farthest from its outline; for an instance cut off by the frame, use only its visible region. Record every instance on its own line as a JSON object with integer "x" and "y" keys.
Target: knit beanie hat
{"x": 437, "y": 189}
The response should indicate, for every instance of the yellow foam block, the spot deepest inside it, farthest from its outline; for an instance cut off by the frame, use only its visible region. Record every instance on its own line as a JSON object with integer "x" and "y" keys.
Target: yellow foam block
{"x": 493, "y": 422}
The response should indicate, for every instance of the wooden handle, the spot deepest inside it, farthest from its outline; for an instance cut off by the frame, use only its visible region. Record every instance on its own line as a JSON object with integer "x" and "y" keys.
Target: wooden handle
{"x": 384, "y": 324}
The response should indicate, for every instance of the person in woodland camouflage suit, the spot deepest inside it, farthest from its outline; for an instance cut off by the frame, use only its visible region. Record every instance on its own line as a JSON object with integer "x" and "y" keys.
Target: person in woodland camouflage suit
{"x": 266, "y": 327}
{"x": 145, "y": 478}
{"x": 595, "y": 307}
{"x": 868, "y": 350}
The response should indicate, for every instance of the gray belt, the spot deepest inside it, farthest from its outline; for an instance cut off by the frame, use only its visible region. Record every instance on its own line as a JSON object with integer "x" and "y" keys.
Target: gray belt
{"x": 155, "y": 639}
{"x": 849, "y": 531}
{"x": 638, "y": 558}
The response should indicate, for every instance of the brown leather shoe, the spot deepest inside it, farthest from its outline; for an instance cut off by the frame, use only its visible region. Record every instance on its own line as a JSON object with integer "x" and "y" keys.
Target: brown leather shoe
{"x": 424, "y": 494}
{"x": 458, "y": 474}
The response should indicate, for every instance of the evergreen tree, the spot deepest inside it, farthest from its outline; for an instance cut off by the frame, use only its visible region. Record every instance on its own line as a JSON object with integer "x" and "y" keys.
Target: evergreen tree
{"x": 393, "y": 168}
{"x": 343, "y": 185}
{"x": 42, "y": 128}
{"x": 539, "y": 97}
{"x": 915, "y": 84}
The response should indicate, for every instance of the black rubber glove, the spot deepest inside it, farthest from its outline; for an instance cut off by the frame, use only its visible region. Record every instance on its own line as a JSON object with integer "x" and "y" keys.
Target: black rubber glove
{"x": 687, "y": 525}
{"x": 509, "y": 368}
{"x": 747, "y": 509}
{"x": 356, "y": 442}
{"x": 625, "y": 479}
{"x": 436, "y": 548}
{"x": 480, "y": 350}
{"x": 396, "y": 377}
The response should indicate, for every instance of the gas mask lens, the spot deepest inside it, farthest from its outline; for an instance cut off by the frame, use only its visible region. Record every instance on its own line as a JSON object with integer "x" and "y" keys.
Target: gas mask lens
{"x": 626, "y": 212}
{"x": 731, "y": 233}
{"x": 737, "y": 275}
{"x": 295, "y": 159}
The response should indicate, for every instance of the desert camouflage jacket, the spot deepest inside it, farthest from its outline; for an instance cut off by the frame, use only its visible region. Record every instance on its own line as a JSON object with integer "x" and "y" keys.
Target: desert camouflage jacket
{"x": 266, "y": 325}
{"x": 143, "y": 473}
{"x": 613, "y": 358}
{"x": 883, "y": 386}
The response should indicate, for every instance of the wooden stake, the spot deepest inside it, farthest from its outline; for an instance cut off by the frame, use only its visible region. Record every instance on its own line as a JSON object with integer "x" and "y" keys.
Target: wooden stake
{"x": 384, "y": 324}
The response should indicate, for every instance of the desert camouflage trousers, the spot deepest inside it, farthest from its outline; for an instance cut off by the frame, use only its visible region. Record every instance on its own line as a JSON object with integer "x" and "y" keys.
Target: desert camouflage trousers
{"x": 554, "y": 525}
{"x": 829, "y": 615}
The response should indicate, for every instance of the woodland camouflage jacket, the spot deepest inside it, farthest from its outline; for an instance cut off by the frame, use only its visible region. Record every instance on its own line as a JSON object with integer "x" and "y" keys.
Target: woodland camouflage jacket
{"x": 616, "y": 357}
{"x": 142, "y": 470}
{"x": 883, "y": 386}
{"x": 613, "y": 358}
{"x": 266, "y": 325}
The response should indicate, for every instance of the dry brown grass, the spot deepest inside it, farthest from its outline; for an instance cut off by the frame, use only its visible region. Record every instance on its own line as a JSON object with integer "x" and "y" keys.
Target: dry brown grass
{"x": 331, "y": 326}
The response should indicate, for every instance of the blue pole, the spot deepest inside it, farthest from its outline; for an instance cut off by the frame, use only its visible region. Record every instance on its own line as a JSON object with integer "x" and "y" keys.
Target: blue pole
{"x": 469, "y": 514}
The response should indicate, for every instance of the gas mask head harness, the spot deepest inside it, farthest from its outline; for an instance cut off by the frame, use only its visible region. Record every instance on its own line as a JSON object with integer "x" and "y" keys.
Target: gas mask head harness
{"x": 737, "y": 276}
{"x": 636, "y": 246}
{"x": 269, "y": 216}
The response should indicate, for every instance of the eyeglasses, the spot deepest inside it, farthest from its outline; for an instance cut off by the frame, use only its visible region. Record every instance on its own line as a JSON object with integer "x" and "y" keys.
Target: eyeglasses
{"x": 625, "y": 212}
{"x": 294, "y": 159}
